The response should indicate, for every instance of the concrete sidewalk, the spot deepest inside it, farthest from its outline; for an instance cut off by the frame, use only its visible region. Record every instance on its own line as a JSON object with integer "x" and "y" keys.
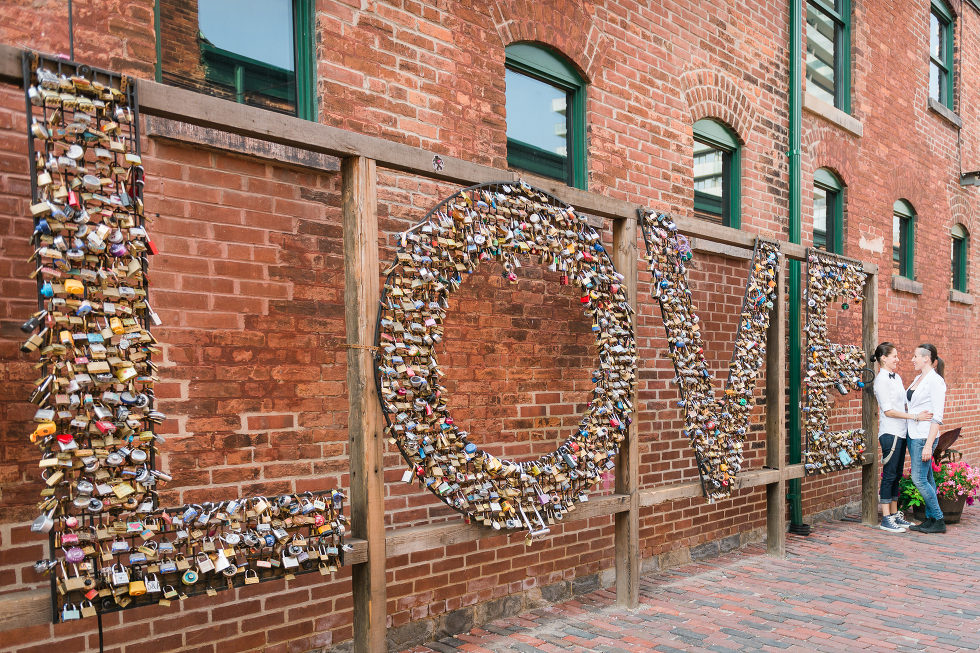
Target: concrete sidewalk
{"x": 847, "y": 587}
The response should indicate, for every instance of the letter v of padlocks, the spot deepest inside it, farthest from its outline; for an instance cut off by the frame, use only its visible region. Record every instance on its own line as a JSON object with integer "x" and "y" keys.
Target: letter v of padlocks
{"x": 715, "y": 428}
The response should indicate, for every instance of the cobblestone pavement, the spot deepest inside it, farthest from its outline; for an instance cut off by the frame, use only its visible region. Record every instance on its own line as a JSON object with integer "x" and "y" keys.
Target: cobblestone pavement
{"x": 847, "y": 587}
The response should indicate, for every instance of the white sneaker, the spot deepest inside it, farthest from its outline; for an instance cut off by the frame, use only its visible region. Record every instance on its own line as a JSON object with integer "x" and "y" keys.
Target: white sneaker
{"x": 888, "y": 524}
{"x": 900, "y": 520}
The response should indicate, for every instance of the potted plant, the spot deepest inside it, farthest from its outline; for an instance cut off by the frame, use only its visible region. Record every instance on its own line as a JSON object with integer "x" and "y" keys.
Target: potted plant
{"x": 956, "y": 482}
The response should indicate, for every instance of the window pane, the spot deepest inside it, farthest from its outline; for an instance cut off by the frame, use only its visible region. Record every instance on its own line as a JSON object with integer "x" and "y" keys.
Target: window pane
{"x": 957, "y": 257}
{"x": 821, "y": 54}
{"x": 708, "y": 169}
{"x": 896, "y": 245}
{"x": 935, "y": 37}
{"x": 959, "y": 260}
{"x": 536, "y": 113}
{"x": 934, "y": 84}
{"x": 819, "y": 218}
{"x": 242, "y": 51}
{"x": 711, "y": 181}
{"x": 258, "y": 29}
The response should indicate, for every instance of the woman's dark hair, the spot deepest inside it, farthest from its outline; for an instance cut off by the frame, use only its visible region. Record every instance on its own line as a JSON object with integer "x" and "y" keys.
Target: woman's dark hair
{"x": 882, "y": 350}
{"x": 934, "y": 357}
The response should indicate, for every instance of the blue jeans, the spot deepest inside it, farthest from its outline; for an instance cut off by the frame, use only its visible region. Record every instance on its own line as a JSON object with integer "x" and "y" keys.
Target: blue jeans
{"x": 892, "y": 448}
{"x": 923, "y": 479}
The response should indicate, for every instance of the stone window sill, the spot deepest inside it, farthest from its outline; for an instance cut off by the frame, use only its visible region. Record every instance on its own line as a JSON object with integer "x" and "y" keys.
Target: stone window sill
{"x": 814, "y": 105}
{"x": 961, "y": 297}
{"x": 946, "y": 114}
{"x": 906, "y": 285}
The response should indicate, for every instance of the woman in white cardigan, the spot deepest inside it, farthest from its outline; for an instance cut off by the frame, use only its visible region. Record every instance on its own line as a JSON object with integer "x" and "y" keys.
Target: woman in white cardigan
{"x": 927, "y": 393}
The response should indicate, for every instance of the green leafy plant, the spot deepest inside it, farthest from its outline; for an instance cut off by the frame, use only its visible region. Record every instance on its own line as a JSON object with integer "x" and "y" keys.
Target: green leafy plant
{"x": 909, "y": 497}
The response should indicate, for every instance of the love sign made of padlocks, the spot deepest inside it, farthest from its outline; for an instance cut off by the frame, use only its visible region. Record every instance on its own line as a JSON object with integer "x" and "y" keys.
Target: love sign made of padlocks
{"x": 115, "y": 547}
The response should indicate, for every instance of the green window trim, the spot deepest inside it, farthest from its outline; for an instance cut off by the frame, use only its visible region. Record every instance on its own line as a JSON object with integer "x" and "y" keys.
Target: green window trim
{"x": 904, "y": 252}
{"x": 840, "y": 14}
{"x": 547, "y": 65}
{"x": 960, "y": 255}
{"x": 304, "y": 37}
{"x": 713, "y": 133}
{"x": 828, "y": 182}
{"x": 945, "y": 61}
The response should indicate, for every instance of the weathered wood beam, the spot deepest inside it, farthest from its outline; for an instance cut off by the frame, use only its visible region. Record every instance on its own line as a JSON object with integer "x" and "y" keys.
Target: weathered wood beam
{"x": 362, "y": 291}
{"x": 776, "y": 417}
{"x": 870, "y": 472}
{"x": 625, "y": 254}
{"x": 403, "y": 541}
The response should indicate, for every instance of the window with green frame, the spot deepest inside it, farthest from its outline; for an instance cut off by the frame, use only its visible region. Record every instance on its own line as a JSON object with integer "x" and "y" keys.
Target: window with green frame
{"x": 903, "y": 240}
{"x": 828, "y": 51}
{"x": 716, "y": 173}
{"x": 828, "y": 212}
{"x": 545, "y": 114}
{"x": 941, "y": 54}
{"x": 255, "y": 52}
{"x": 960, "y": 250}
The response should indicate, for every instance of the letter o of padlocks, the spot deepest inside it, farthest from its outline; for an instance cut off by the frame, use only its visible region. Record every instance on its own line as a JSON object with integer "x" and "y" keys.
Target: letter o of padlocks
{"x": 505, "y": 222}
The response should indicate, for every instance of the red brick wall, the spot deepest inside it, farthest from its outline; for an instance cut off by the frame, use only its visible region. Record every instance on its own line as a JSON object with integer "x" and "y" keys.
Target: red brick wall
{"x": 115, "y": 34}
{"x": 249, "y": 280}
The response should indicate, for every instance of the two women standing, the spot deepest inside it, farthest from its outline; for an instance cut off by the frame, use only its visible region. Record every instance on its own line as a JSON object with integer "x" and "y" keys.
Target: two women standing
{"x": 920, "y": 421}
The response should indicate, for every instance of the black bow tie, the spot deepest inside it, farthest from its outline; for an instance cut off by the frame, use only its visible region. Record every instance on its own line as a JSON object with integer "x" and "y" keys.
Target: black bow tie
{"x": 891, "y": 375}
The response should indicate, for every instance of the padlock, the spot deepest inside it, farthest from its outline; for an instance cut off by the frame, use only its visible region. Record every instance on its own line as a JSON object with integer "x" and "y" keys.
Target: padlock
{"x": 204, "y": 563}
{"x": 70, "y": 613}
{"x": 120, "y": 577}
{"x": 189, "y": 578}
{"x": 88, "y": 609}
{"x": 253, "y": 579}
{"x": 221, "y": 563}
{"x": 137, "y": 587}
{"x": 152, "y": 584}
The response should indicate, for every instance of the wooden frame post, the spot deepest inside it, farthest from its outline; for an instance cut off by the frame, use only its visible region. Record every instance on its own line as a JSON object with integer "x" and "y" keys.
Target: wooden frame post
{"x": 776, "y": 417}
{"x": 362, "y": 293}
{"x": 627, "y": 467}
{"x": 870, "y": 472}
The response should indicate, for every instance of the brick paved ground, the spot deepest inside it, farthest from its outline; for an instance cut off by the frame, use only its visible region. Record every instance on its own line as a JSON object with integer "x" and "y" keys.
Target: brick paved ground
{"x": 844, "y": 588}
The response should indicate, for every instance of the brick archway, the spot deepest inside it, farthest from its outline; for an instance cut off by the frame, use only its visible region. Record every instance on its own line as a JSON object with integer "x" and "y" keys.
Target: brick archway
{"x": 960, "y": 212}
{"x": 572, "y": 32}
{"x": 713, "y": 94}
{"x": 904, "y": 185}
{"x": 823, "y": 147}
